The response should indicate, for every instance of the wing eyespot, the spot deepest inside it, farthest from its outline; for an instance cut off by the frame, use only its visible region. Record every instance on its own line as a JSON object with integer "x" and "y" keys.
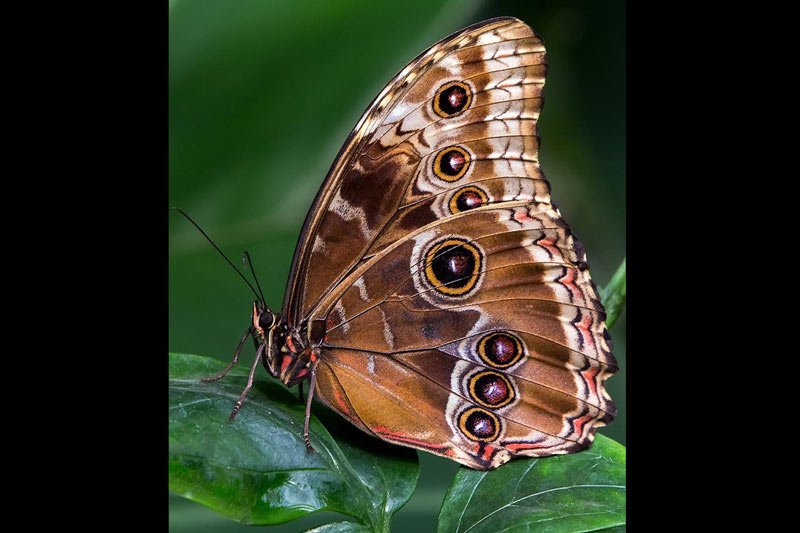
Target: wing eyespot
{"x": 453, "y": 267}
{"x": 491, "y": 389}
{"x": 500, "y": 349}
{"x": 479, "y": 425}
{"x": 452, "y": 99}
{"x": 451, "y": 163}
{"x": 467, "y": 198}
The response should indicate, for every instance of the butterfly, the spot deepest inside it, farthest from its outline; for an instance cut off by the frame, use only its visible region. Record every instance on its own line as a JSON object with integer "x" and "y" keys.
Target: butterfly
{"x": 437, "y": 299}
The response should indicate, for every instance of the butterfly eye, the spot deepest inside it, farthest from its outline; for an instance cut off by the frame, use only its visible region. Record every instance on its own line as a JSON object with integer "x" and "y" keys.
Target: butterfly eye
{"x": 266, "y": 320}
{"x": 451, "y": 99}
{"x": 467, "y": 198}
{"x": 451, "y": 163}
{"x": 453, "y": 267}
{"x": 479, "y": 425}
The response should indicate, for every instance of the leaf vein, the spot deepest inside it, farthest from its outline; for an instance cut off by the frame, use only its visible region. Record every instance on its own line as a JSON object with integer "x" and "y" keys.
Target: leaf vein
{"x": 469, "y": 499}
{"x": 514, "y": 502}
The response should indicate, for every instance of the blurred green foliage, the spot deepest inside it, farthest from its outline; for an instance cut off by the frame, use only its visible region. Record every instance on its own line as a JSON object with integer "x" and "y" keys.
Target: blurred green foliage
{"x": 261, "y": 96}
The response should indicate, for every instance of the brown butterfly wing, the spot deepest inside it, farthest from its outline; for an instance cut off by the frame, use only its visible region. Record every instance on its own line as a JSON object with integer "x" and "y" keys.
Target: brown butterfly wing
{"x": 401, "y": 399}
{"x": 361, "y": 194}
{"x": 542, "y": 389}
{"x": 460, "y": 315}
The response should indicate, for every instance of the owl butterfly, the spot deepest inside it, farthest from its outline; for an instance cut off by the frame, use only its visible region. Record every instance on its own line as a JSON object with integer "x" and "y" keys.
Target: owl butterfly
{"x": 437, "y": 299}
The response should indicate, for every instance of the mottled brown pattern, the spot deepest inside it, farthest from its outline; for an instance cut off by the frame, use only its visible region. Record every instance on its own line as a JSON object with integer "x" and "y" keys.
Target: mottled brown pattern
{"x": 399, "y": 351}
{"x": 365, "y": 201}
{"x": 405, "y": 398}
{"x": 409, "y": 329}
{"x": 303, "y": 289}
{"x": 493, "y": 229}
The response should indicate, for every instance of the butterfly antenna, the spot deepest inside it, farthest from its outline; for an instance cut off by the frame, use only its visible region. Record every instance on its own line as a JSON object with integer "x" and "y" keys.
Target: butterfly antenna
{"x": 220, "y": 252}
{"x": 249, "y": 264}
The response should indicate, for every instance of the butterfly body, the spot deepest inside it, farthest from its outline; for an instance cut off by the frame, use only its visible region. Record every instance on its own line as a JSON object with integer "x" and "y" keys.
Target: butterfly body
{"x": 437, "y": 299}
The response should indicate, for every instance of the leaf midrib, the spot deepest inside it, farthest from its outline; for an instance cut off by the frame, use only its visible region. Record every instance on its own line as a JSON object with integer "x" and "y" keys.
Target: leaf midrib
{"x": 554, "y": 489}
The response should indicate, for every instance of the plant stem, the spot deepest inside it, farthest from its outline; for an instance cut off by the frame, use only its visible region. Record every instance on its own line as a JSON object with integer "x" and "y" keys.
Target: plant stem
{"x": 613, "y": 295}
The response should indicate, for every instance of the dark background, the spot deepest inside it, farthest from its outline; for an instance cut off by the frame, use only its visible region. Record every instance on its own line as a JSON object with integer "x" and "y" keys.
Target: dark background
{"x": 261, "y": 97}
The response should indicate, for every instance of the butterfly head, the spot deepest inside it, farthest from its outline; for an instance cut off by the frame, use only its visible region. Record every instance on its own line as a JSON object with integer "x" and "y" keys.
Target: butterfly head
{"x": 286, "y": 355}
{"x": 263, "y": 319}
{"x": 266, "y": 327}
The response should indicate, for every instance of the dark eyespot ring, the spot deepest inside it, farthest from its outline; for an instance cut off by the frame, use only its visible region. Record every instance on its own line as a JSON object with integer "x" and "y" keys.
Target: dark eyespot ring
{"x": 451, "y": 163}
{"x": 453, "y": 266}
{"x": 452, "y": 99}
{"x": 491, "y": 389}
{"x": 468, "y": 198}
{"x": 479, "y": 424}
{"x": 500, "y": 349}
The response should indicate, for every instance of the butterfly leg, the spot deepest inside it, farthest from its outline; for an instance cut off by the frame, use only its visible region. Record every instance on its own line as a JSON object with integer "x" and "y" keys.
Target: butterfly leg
{"x": 235, "y": 360}
{"x": 240, "y": 401}
{"x": 311, "y": 387}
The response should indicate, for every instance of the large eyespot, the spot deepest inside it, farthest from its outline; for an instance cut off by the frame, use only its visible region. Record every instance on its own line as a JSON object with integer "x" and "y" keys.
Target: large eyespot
{"x": 451, "y": 163}
{"x": 479, "y": 425}
{"x": 491, "y": 389}
{"x": 467, "y": 198}
{"x": 451, "y": 99}
{"x": 453, "y": 267}
{"x": 500, "y": 350}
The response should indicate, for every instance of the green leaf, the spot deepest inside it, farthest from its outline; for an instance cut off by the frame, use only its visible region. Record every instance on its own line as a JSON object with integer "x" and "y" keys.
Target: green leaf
{"x": 256, "y": 469}
{"x": 583, "y": 491}
{"x": 339, "y": 527}
{"x": 613, "y": 295}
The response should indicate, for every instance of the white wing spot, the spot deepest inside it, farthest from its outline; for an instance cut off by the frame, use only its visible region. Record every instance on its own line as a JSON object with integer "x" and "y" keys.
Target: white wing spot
{"x": 343, "y": 208}
{"x": 339, "y": 308}
{"x": 387, "y": 333}
{"x": 362, "y": 289}
{"x": 319, "y": 244}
